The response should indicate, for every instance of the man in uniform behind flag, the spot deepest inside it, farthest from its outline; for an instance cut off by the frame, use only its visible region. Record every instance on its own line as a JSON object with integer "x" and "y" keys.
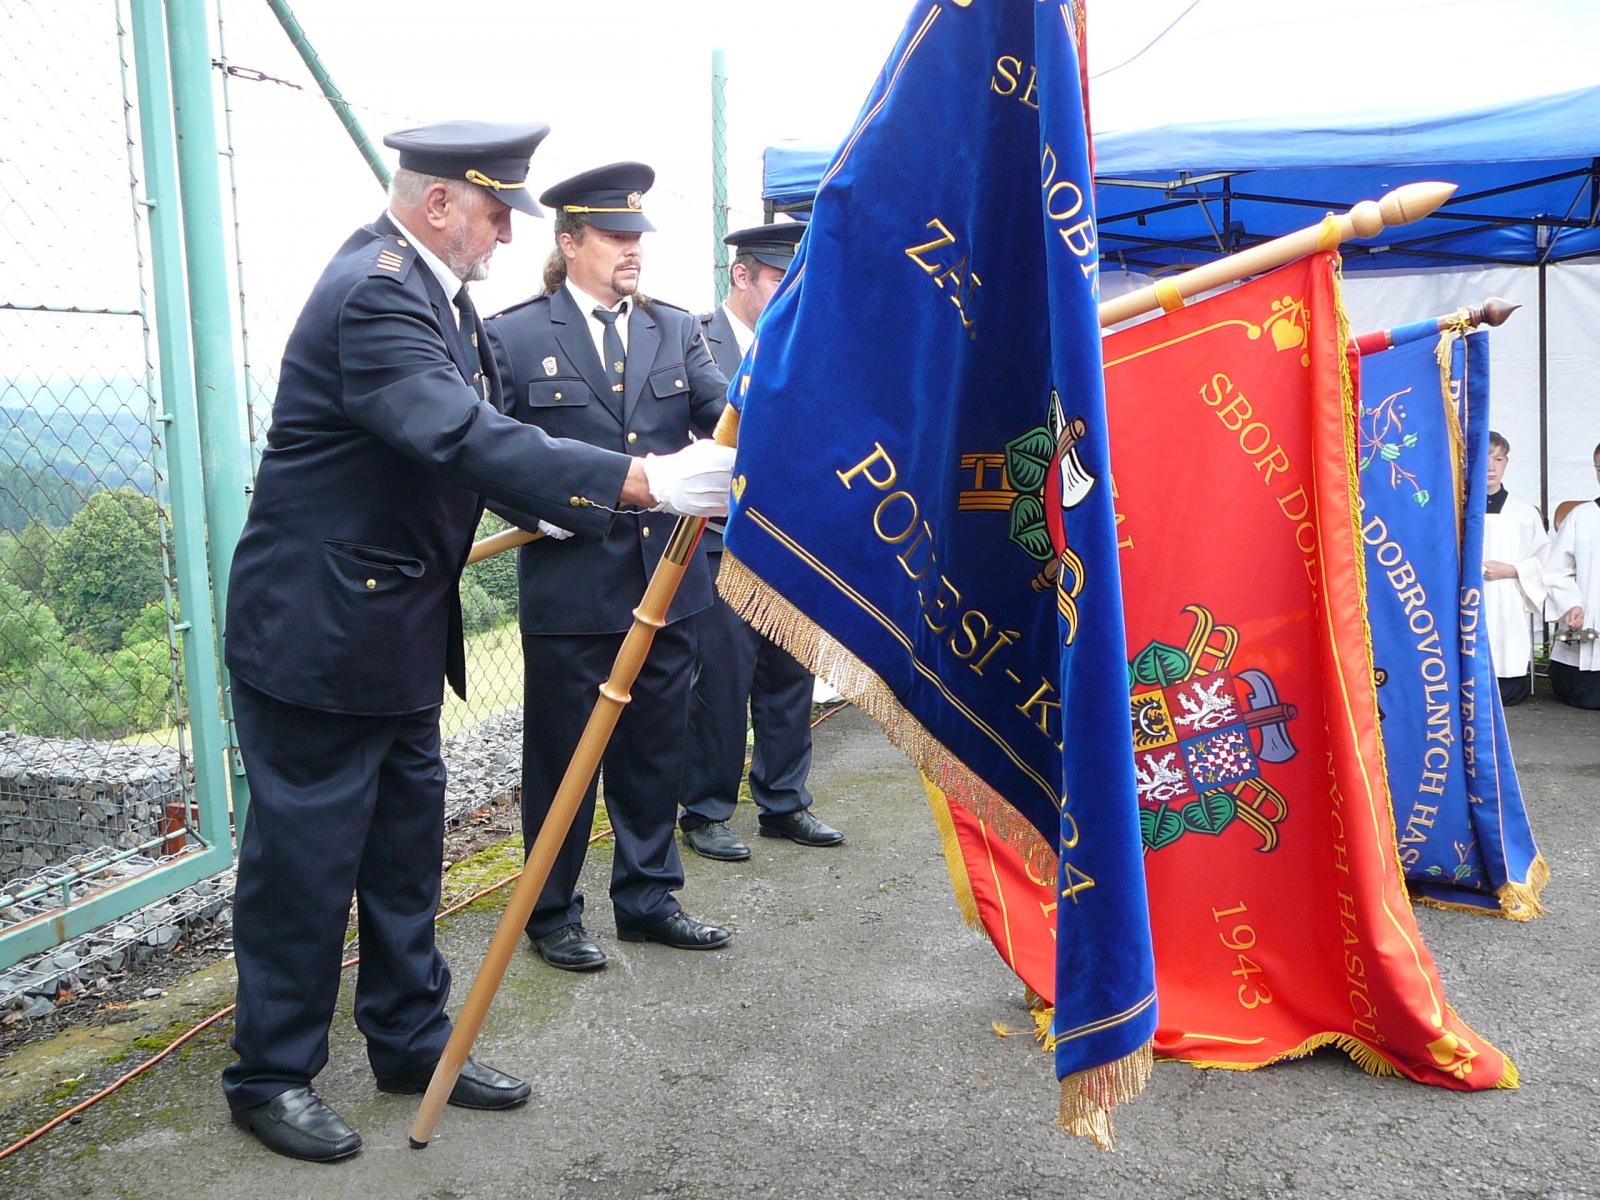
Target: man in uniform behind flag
{"x": 741, "y": 670}
{"x": 592, "y": 358}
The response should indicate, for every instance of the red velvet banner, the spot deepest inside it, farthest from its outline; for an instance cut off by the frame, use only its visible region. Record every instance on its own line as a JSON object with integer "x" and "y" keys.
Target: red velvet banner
{"x": 1280, "y": 917}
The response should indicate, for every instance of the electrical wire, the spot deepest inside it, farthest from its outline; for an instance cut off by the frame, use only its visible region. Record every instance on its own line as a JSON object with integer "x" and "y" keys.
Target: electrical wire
{"x": 1170, "y": 24}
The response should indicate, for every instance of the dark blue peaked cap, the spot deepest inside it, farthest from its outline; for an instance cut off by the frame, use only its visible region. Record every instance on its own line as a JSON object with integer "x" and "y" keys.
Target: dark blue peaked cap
{"x": 610, "y": 197}
{"x": 491, "y": 154}
{"x": 773, "y": 244}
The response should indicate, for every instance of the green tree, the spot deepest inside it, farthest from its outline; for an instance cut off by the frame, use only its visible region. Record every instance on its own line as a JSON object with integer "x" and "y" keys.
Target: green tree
{"x": 105, "y": 567}
{"x": 24, "y": 559}
{"x": 480, "y": 612}
{"x": 498, "y": 575}
{"x": 27, "y": 631}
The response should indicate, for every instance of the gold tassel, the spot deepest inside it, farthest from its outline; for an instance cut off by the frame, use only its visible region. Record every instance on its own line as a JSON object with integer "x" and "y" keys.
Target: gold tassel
{"x": 960, "y": 881}
{"x": 1088, "y": 1097}
{"x": 780, "y": 621}
{"x": 1519, "y": 901}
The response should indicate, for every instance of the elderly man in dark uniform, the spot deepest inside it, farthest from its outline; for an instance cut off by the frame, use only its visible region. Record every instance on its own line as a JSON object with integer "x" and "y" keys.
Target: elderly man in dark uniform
{"x": 739, "y": 668}
{"x": 591, "y": 358}
{"x": 344, "y": 619}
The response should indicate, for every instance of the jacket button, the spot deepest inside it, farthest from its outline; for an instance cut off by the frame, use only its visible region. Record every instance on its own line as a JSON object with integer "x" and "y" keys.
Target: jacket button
{"x": 645, "y": 532}
{"x": 633, "y": 437}
{"x": 677, "y": 383}
{"x": 575, "y": 501}
{"x": 402, "y": 243}
{"x": 371, "y": 583}
{"x": 558, "y": 395}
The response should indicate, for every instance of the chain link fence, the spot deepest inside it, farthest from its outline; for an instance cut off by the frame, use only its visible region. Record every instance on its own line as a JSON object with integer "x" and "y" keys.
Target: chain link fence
{"x": 94, "y": 774}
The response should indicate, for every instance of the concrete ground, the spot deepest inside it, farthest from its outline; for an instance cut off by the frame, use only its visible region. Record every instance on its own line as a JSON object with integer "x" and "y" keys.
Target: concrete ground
{"x": 845, "y": 1046}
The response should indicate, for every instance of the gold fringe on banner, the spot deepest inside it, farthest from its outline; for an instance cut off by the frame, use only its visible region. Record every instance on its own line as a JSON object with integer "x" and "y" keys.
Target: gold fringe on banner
{"x": 960, "y": 881}
{"x": 780, "y": 621}
{"x": 1088, "y": 1097}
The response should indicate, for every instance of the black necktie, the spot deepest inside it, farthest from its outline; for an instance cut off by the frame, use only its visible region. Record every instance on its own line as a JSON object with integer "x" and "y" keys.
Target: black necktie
{"x": 616, "y": 358}
{"x": 467, "y": 334}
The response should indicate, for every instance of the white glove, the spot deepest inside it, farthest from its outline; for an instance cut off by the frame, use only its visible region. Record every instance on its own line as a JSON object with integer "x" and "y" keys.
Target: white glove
{"x": 693, "y": 482}
{"x": 554, "y": 531}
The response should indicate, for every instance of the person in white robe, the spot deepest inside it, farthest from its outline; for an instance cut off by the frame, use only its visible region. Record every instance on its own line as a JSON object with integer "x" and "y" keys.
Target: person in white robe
{"x": 1515, "y": 545}
{"x": 1572, "y": 575}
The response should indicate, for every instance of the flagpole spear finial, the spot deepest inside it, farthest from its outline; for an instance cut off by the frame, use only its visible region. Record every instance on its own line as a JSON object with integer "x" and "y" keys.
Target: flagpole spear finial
{"x": 1403, "y": 205}
{"x": 1492, "y": 312}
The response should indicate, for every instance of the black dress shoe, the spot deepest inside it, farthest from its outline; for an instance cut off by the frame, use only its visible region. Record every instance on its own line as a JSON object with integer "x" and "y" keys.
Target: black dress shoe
{"x": 680, "y": 931}
{"x": 716, "y": 840}
{"x": 571, "y": 949}
{"x": 478, "y": 1086}
{"x": 297, "y": 1123}
{"x": 801, "y": 827}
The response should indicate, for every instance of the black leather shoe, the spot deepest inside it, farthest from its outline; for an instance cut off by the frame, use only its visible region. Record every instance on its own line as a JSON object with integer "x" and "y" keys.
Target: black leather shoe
{"x": 801, "y": 827}
{"x": 571, "y": 949}
{"x": 716, "y": 840}
{"x": 297, "y": 1123}
{"x": 680, "y": 931}
{"x": 478, "y": 1086}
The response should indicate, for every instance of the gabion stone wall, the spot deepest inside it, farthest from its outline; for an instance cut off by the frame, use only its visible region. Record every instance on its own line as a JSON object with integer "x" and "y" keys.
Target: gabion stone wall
{"x": 60, "y": 800}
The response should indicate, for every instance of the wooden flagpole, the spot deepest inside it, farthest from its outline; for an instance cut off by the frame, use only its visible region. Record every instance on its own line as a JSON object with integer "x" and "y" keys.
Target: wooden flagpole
{"x": 649, "y": 616}
{"x": 1405, "y": 204}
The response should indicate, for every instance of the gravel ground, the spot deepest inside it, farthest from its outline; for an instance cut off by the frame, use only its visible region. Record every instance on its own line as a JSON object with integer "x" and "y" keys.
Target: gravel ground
{"x": 844, "y": 1046}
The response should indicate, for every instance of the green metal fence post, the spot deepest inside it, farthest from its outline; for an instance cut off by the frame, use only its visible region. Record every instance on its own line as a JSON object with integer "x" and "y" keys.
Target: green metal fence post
{"x": 336, "y": 100}
{"x": 719, "y": 170}
{"x": 224, "y": 449}
{"x": 181, "y": 420}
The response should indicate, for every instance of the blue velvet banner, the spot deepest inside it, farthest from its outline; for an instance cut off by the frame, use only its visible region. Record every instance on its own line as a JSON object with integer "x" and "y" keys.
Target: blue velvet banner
{"x": 1515, "y": 870}
{"x": 922, "y": 505}
{"x": 1410, "y": 525}
{"x": 1459, "y": 819}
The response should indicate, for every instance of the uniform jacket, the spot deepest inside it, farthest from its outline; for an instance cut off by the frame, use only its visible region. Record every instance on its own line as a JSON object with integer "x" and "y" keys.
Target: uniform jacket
{"x": 672, "y": 391}
{"x": 344, "y": 590}
{"x": 717, "y": 331}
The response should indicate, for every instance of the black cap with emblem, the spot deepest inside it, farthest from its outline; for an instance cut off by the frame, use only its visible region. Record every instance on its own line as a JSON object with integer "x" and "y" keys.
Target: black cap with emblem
{"x": 772, "y": 244}
{"x": 493, "y": 155}
{"x": 610, "y": 197}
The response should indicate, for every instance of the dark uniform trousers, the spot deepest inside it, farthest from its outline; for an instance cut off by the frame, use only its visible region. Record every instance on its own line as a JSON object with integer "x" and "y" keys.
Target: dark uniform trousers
{"x": 338, "y": 804}
{"x": 739, "y": 665}
{"x": 576, "y": 598}
{"x": 642, "y": 769}
{"x": 343, "y": 621}
{"x": 740, "y": 668}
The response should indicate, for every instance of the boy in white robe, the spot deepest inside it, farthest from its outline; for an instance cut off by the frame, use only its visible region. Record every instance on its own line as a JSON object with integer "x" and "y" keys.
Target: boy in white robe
{"x": 1572, "y": 575}
{"x": 1514, "y": 548}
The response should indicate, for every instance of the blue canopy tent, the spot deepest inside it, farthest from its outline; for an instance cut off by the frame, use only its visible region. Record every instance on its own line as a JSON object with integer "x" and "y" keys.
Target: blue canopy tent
{"x": 1528, "y": 176}
{"x": 1174, "y": 196}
